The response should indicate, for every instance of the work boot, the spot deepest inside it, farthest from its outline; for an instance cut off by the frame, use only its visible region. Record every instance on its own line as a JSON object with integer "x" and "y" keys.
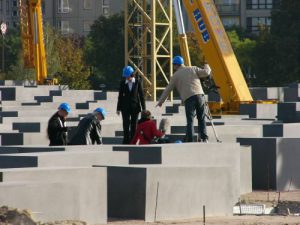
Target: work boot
{"x": 204, "y": 140}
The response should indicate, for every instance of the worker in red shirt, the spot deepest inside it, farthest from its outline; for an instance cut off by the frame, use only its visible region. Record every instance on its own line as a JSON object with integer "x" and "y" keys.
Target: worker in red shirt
{"x": 146, "y": 130}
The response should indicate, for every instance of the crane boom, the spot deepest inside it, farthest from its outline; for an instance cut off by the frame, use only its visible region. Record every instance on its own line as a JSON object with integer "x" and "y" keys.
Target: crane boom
{"x": 213, "y": 40}
{"x": 32, "y": 38}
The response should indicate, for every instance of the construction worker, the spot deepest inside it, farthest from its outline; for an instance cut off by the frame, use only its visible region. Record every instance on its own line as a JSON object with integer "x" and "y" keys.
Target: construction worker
{"x": 146, "y": 130}
{"x": 88, "y": 131}
{"x": 130, "y": 102}
{"x": 57, "y": 127}
{"x": 186, "y": 80}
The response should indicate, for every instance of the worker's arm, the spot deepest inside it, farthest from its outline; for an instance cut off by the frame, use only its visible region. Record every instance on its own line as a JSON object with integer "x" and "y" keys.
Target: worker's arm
{"x": 120, "y": 98}
{"x": 167, "y": 91}
{"x": 203, "y": 73}
{"x": 141, "y": 94}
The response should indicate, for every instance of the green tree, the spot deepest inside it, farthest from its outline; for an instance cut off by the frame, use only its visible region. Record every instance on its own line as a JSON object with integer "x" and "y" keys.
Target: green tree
{"x": 277, "y": 54}
{"x": 73, "y": 70}
{"x": 243, "y": 49}
{"x": 51, "y": 38}
{"x": 104, "y": 48}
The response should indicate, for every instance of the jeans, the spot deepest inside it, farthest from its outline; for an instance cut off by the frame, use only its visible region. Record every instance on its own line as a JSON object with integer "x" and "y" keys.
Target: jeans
{"x": 192, "y": 104}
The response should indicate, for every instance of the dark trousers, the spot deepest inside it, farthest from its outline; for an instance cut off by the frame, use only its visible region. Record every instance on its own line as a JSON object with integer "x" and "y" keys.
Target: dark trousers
{"x": 129, "y": 122}
{"x": 196, "y": 104}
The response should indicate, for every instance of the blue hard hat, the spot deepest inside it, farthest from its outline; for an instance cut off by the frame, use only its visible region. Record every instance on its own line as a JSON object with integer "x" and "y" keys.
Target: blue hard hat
{"x": 65, "y": 106}
{"x": 178, "y": 60}
{"x": 102, "y": 111}
{"x": 178, "y": 142}
{"x": 127, "y": 71}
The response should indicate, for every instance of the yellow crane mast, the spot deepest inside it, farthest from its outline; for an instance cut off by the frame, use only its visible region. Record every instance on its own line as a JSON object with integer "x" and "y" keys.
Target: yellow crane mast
{"x": 32, "y": 38}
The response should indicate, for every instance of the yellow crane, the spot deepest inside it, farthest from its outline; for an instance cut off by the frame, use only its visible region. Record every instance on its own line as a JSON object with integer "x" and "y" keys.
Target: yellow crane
{"x": 214, "y": 42}
{"x": 32, "y": 38}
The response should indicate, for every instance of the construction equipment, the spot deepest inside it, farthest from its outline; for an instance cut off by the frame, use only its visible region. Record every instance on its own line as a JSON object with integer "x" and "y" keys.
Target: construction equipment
{"x": 213, "y": 41}
{"x": 32, "y": 38}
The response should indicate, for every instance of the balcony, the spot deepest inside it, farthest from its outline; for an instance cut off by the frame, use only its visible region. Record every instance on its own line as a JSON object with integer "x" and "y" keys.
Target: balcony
{"x": 228, "y": 9}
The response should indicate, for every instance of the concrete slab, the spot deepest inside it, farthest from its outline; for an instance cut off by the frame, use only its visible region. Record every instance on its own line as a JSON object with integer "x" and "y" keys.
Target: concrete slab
{"x": 155, "y": 193}
{"x": 66, "y": 159}
{"x": 275, "y": 163}
{"x": 263, "y": 111}
{"x": 80, "y": 193}
{"x": 289, "y": 112}
{"x": 282, "y": 130}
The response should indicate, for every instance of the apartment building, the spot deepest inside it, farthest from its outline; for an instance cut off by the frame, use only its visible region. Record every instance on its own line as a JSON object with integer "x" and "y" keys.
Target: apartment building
{"x": 249, "y": 14}
{"x": 68, "y": 16}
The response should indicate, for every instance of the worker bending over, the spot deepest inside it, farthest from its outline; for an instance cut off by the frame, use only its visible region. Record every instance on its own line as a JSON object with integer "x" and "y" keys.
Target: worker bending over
{"x": 88, "y": 131}
{"x": 186, "y": 80}
{"x": 57, "y": 126}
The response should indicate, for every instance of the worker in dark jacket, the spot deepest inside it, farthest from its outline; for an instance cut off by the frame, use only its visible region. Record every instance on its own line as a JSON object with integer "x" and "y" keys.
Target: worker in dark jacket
{"x": 88, "y": 131}
{"x": 57, "y": 128}
{"x": 130, "y": 102}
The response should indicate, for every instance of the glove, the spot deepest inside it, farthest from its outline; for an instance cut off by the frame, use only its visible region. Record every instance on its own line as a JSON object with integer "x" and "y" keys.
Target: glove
{"x": 207, "y": 68}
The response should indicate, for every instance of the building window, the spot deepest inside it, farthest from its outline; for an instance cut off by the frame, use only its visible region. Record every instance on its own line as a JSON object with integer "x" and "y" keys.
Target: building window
{"x": 7, "y": 6}
{"x": 105, "y": 2}
{"x": 254, "y": 23}
{"x": 15, "y": 13}
{"x": 87, "y": 4}
{"x": 259, "y": 4}
{"x": 87, "y": 25}
{"x": 229, "y": 21}
{"x": 64, "y": 27}
{"x": 105, "y": 7}
{"x": 1, "y": 4}
{"x": 14, "y": 3}
{"x": 63, "y": 6}
{"x": 105, "y": 11}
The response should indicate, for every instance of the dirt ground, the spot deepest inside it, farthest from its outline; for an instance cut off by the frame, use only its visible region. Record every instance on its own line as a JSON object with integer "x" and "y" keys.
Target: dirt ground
{"x": 287, "y": 213}
{"x": 283, "y": 200}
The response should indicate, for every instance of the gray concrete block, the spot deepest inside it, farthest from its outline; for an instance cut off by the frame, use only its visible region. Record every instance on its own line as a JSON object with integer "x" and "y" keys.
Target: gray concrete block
{"x": 27, "y": 127}
{"x": 65, "y": 159}
{"x": 275, "y": 163}
{"x": 263, "y": 111}
{"x": 12, "y": 138}
{"x": 58, "y": 194}
{"x": 292, "y": 93}
{"x": 281, "y": 130}
{"x": 155, "y": 193}
{"x": 8, "y": 93}
{"x": 289, "y": 112}
{"x": 29, "y": 149}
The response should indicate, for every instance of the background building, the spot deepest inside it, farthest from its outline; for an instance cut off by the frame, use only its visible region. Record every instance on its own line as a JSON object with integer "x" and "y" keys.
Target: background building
{"x": 77, "y": 16}
{"x": 68, "y": 16}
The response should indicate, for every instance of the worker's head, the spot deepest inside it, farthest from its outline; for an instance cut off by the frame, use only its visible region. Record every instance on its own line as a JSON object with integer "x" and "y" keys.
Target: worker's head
{"x": 128, "y": 72}
{"x": 177, "y": 62}
{"x": 100, "y": 113}
{"x": 146, "y": 115}
{"x": 64, "y": 109}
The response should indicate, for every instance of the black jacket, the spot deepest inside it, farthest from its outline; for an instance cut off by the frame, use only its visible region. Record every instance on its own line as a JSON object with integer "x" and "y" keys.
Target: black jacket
{"x": 88, "y": 131}
{"x": 57, "y": 130}
{"x": 131, "y": 101}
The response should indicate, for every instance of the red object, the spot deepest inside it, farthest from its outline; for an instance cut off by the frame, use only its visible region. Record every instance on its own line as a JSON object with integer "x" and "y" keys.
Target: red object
{"x": 145, "y": 132}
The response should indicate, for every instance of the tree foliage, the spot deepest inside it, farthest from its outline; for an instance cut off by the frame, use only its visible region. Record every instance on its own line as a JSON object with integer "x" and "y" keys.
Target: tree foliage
{"x": 104, "y": 50}
{"x": 243, "y": 49}
{"x": 73, "y": 70}
{"x": 277, "y": 56}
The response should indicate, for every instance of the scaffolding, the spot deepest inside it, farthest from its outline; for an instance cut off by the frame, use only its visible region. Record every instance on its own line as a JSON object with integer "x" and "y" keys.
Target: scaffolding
{"x": 149, "y": 42}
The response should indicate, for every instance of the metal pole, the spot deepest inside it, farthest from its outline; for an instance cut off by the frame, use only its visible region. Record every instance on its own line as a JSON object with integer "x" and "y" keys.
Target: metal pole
{"x": 2, "y": 53}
